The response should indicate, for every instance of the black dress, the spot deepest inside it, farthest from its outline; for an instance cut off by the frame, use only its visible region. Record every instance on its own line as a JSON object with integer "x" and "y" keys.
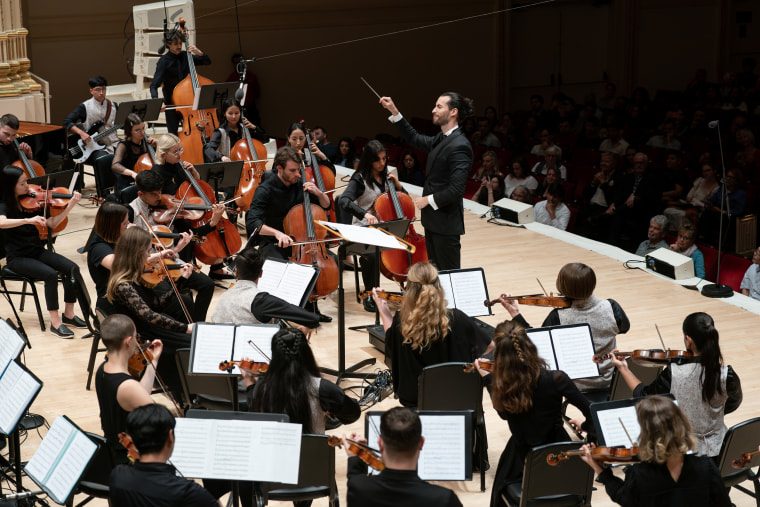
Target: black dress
{"x": 113, "y": 418}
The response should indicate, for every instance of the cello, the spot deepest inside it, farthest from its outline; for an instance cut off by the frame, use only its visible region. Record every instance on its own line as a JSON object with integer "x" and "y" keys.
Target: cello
{"x": 147, "y": 160}
{"x": 308, "y": 249}
{"x": 195, "y": 123}
{"x": 30, "y": 167}
{"x": 319, "y": 174}
{"x": 254, "y": 154}
{"x": 395, "y": 264}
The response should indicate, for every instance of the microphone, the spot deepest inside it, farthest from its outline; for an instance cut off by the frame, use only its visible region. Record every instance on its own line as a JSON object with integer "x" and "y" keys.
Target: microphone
{"x": 242, "y": 70}
{"x": 713, "y": 124}
{"x": 162, "y": 49}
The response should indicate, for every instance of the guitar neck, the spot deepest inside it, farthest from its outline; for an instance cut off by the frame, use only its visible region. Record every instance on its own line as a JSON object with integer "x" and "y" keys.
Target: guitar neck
{"x": 108, "y": 131}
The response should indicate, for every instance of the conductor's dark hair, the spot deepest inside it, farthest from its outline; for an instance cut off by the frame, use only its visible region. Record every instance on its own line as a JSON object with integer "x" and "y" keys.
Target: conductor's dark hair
{"x": 461, "y": 103}
{"x": 96, "y": 81}
{"x": 149, "y": 427}
{"x": 149, "y": 181}
{"x": 700, "y": 327}
{"x": 248, "y": 264}
{"x": 401, "y": 430}
{"x": 114, "y": 329}
{"x": 9, "y": 120}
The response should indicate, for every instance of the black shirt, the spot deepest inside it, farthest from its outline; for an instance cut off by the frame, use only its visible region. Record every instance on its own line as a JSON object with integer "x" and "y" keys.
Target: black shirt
{"x": 24, "y": 240}
{"x": 155, "y": 485}
{"x": 8, "y": 154}
{"x": 170, "y": 70}
{"x": 99, "y": 250}
{"x": 173, "y": 175}
{"x": 113, "y": 418}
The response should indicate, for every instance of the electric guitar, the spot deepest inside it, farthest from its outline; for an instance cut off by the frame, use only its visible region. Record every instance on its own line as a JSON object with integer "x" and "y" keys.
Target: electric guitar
{"x": 81, "y": 151}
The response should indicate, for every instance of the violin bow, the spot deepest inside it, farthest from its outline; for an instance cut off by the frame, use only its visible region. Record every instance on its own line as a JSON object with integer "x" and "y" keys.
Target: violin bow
{"x": 44, "y": 207}
{"x": 179, "y": 206}
{"x": 660, "y": 335}
{"x": 257, "y": 349}
{"x": 626, "y": 432}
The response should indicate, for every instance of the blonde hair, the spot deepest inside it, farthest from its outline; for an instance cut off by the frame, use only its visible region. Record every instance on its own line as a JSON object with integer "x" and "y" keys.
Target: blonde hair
{"x": 517, "y": 367}
{"x": 128, "y": 259}
{"x": 424, "y": 317}
{"x": 165, "y": 143}
{"x": 665, "y": 429}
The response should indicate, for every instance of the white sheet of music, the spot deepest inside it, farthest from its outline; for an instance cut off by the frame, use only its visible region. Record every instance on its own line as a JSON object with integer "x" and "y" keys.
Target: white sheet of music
{"x": 543, "y": 342}
{"x": 237, "y": 450}
{"x": 213, "y": 344}
{"x": 286, "y": 280}
{"x": 261, "y": 336}
{"x": 60, "y": 459}
{"x": 574, "y": 349}
{"x": 448, "y": 291}
{"x": 470, "y": 289}
{"x": 612, "y": 430}
{"x": 11, "y": 344}
{"x": 365, "y": 235}
{"x": 443, "y": 455}
{"x": 18, "y": 388}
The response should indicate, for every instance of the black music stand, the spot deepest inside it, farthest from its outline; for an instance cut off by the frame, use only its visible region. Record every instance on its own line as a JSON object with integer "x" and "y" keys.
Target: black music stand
{"x": 148, "y": 109}
{"x": 211, "y": 96}
{"x": 220, "y": 174}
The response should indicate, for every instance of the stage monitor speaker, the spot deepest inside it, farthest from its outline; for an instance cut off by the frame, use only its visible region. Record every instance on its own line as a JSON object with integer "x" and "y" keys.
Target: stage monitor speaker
{"x": 512, "y": 211}
{"x": 670, "y": 263}
{"x": 150, "y": 17}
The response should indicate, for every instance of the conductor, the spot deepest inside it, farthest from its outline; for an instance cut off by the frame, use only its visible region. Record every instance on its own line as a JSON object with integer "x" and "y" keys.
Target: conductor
{"x": 446, "y": 171}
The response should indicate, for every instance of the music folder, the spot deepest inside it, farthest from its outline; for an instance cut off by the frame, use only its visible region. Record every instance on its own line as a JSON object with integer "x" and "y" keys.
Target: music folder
{"x": 287, "y": 280}
{"x": 18, "y": 385}
{"x": 213, "y": 343}
{"x": 569, "y": 348}
{"x": 607, "y": 417}
{"x": 466, "y": 290}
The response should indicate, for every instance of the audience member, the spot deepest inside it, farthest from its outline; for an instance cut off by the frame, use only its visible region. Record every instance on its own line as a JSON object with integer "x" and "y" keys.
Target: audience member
{"x": 636, "y": 199}
{"x": 685, "y": 246}
{"x": 667, "y": 139}
{"x": 748, "y": 156}
{"x": 319, "y": 136}
{"x": 599, "y": 195}
{"x": 709, "y": 222}
{"x": 410, "y": 170}
{"x": 553, "y": 211}
{"x": 519, "y": 176}
{"x": 521, "y": 193}
{"x": 547, "y": 141}
{"x": 552, "y": 158}
{"x": 673, "y": 179}
{"x": 655, "y": 236}
{"x": 489, "y": 166}
{"x": 552, "y": 176}
{"x": 491, "y": 190}
{"x": 614, "y": 143}
{"x": 690, "y": 207}
{"x": 483, "y": 136}
{"x": 346, "y": 153}
{"x": 750, "y": 285}
{"x": 589, "y": 138}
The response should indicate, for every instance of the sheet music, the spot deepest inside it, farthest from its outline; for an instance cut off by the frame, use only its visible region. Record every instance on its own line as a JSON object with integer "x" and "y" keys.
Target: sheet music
{"x": 443, "y": 455}
{"x": 574, "y": 349}
{"x": 448, "y": 291}
{"x": 543, "y": 342}
{"x": 18, "y": 388}
{"x": 286, "y": 280}
{"x": 60, "y": 459}
{"x": 365, "y": 235}
{"x": 261, "y": 336}
{"x": 611, "y": 429}
{"x": 11, "y": 344}
{"x": 470, "y": 289}
{"x": 237, "y": 450}
{"x": 212, "y": 345}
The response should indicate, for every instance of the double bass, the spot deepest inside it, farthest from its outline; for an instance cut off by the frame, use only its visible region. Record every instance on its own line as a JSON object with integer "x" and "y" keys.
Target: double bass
{"x": 254, "y": 154}
{"x": 195, "y": 123}
{"x": 395, "y": 264}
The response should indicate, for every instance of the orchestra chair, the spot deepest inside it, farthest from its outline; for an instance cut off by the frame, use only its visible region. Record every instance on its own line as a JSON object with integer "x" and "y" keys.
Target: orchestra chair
{"x": 567, "y": 484}
{"x": 619, "y": 389}
{"x": 212, "y": 392}
{"x": 92, "y": 318}
{"x": 95, "y": 482}
{"x": 741, "y": 438}
{"x": 447, "y": 386}
{"x": 316, "y": 476}
{"x": 7, "y": 274}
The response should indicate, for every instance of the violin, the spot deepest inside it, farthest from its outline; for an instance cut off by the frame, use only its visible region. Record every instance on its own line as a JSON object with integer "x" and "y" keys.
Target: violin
{"x": 647, "y": 357}
{"x": 196, "y": 124}
{"x": 254, "y": 154}
{"x": 534, "y": 300}
{"x": 164, "y": 237}
{"x": 139, "y": 360}
{"x": 393, "y": 297}
{"x": 485, "y": 364}
{"x": 744, "y": 460}
{"x": 361, "y": 451}
{"x": 153, "y": 274}
{"x": 30, "y": 167}
{"x": 126, "y": 441}
{"x": 257, "y": 368}
{"x": 605, "y": 454}
{"x": 56, "y": 199}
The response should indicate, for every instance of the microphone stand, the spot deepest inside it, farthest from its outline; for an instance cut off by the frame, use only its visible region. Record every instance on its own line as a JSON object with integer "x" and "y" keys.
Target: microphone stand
{"x": 717, "y": 289}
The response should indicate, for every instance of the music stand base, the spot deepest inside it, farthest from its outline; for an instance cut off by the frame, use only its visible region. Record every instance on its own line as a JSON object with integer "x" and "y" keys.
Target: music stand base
{"x": 717, "y": 290}
{"x": 350, "y": 371}
{"x": 31, "y": 421}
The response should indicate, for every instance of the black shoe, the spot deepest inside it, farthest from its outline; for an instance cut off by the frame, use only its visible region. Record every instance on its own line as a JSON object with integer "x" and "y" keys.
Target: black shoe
{"x": 74, "y": 321}
{"x": 221, "y": 276}
{"x": 324, "y": 318}
{"x": 62, "y": 331}
{"x": 369, "y": 305}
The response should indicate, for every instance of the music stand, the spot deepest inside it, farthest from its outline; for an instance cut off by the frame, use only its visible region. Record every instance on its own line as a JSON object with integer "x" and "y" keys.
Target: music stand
{"x": 211, "y": 96}
{"x": 220, "y": 174}
{"x": 57, "y": 179}
{"x": 147, "y": 109}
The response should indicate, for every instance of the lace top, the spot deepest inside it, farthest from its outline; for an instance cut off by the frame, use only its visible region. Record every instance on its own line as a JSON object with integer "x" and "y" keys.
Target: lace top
{"x": 144, "y": 305}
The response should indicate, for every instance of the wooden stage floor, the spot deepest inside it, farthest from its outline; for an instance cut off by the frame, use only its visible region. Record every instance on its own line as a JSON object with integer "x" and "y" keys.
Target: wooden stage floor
{"x": 512, "y": 259}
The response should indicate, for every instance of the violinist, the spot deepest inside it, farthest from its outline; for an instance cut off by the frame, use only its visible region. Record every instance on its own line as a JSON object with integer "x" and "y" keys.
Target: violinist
{"x": 529, "y": 397}
{"x": 27, "y": 254}
{"x": 119, "y": 392}
{"x": 171, "y": 168}
{"x": 704, "y": 387}
{"x": 667, "y": 474}
{"x": 367, "y": 183}
{"x": 153, "y": 480}
{"x": 128, "y": 151}
{"x": 9, "y": 125}
{"x": 400, "y": 443}
{"x": 129, "y": 295}
{"x": 424, "y": 332}
{"x": 172, "y": 68}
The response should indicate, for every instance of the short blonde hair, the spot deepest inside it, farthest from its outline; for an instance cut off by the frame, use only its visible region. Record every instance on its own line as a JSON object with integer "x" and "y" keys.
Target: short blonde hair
{"x": 165, "y": 143}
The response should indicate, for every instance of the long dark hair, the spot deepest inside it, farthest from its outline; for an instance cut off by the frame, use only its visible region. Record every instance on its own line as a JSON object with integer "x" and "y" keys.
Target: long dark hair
{"x": 11, "y": 175}
{"x": 517, "y": 367}
{"x": 228, "y": 103}
{"x": 700, "y": 327}
{"x": 370, "y": 155}
{"x": 285, "y": 388}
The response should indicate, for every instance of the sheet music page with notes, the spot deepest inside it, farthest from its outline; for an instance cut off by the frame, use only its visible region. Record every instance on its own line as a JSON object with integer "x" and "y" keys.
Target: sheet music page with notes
{"x": 261, "y": 336}
{"x": 286, "y": 280}
{"x": 11, "y": 344}
{"x": 19, "y": 389}
{"x": 443, "y": 456}
{"x": 448, "y": 291}
{"x": 212, "y": 344}
{"x": 574, "y": 349}
{"x": 612, "y": 430}
{"x": 365, "y": 235}
{"x": 470, "y": 289}
{"x": 543, "y": 341}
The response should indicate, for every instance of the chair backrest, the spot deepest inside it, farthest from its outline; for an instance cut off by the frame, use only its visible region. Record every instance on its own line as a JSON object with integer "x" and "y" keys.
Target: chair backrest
{"x": 218, "y": 387}
{"x": 446, "y": 386}
{"x": 570, "y": 477}
{"x": 619, "y": 390}
{"x": 316, "y": 473}
{"x": 740, "y": 438}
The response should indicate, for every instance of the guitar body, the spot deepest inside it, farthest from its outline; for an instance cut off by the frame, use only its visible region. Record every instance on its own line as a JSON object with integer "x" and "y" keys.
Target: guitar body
{"x": 81, "y": 151}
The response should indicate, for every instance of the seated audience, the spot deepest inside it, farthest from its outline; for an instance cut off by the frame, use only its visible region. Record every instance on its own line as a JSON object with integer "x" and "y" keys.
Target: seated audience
{"x": 667, "y": 139}
{"x": 692, "y": 205}
{"x": 748, "y": 156}
{"x": 599, "y": 194}
{"x": 685, "y": 246}
{"x": 655, "y": 236}
{"x": 673, "y": 179}
{"x": 410, "y": 170}
{"x": 519, "y": 176}
{"x": 547, "y": 142}
{"x": 491, "y": 190}
{"x": 735, "y": 206}
{"x": 489, "y": 166}
{"x": 346, "y": 153}
{"x": 553, "y": 211}
{"x": 750, "y": 285}
{"x": 614, "y": 143}
{"x": 552, "y": 158}
{"x": 552, "y": 177}
{"x": 521, "y": 193}
{"x": 483, "y": 136}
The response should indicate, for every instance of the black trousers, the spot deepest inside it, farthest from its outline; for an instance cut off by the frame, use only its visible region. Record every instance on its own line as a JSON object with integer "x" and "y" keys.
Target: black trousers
{"x": 204, "y": 292}
{"x": 444, "y": 250}
{"x": 101, "y": 162}
{"x": 46, "y": 268}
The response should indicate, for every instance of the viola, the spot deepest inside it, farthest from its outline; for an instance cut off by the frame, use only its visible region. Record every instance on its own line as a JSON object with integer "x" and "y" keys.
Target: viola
{"x": 393, "y": 297}
{"x": 744, "y": 460}
{"x": 196, "y": 124}
{"x": 147, "y": 160}
{"x": 605, "y": 454}
{"x": 299, "y": 224}
{"x": 30, "y": 167}
{"x": 534, "y": 300}
{"x": 126, "y": 441}
{"x": 254, "y": 154}
{"x": 254, "y": 367}
{"x": 361, "y": 451}
{"x": 395, "y": 264}
{"x": 485, "y": 364}
{"x": 647, "y": 357}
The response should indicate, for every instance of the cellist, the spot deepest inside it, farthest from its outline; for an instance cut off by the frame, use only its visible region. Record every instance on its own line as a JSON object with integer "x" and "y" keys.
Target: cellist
{"x": 229, "y": 132}
{"x": 172, "y": 68}
{"x": 368, "y": 182}
{"x": 128, "y": 151}
{"x": 8, "y": 128}
{"x": 274, "y": 197}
